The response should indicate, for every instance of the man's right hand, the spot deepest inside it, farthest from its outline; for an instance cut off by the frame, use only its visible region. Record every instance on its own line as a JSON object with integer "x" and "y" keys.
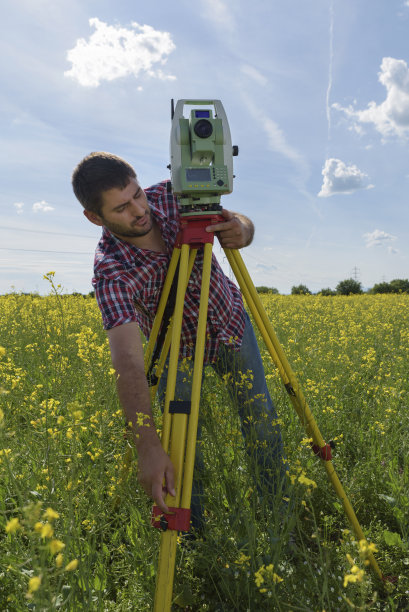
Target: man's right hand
{"x": 155, "y": 471}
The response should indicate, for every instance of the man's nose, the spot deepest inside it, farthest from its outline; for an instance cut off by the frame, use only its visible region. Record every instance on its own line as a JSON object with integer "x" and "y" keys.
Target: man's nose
{"x": 138, "y": 208}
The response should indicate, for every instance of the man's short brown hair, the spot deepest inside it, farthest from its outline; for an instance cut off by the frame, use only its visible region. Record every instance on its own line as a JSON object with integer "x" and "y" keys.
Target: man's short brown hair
{"x": 96, "y": 173}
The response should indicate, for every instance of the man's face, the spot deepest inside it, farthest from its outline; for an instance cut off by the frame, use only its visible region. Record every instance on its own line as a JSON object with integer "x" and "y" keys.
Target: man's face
{"x": 125, "y": 212}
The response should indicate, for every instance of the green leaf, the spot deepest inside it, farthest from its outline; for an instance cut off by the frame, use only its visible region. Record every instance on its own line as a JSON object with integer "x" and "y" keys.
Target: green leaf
{"x": 185, "y": 598}
{"x": 393, "y": 539}
{"x": 100, "y": 582}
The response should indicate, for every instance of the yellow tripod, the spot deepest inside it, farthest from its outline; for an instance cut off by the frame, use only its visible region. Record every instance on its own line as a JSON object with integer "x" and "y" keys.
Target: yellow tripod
{"x": 180, "y": 421}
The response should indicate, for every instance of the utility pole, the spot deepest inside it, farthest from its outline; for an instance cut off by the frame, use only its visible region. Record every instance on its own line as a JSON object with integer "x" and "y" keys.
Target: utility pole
{"x": 356, "y": 273}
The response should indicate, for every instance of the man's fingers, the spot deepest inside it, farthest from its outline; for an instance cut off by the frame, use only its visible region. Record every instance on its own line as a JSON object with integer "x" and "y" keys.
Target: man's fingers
{"x": 158, "y": 495}
{"x": 157, "y": 477}
{"x": 227, "y": 214}
{"x": 217, "y": 227}
{"x": 159, "y": 491}
{"x": 214, "y": 228}
{"x": 170, "y": 481}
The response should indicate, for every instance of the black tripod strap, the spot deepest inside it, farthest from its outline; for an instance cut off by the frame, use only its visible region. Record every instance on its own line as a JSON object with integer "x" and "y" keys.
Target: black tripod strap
{"x": 167, "y": 313}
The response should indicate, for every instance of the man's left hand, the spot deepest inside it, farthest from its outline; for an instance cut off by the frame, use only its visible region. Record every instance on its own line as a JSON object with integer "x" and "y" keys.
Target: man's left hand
{"x": 235, "y": 232}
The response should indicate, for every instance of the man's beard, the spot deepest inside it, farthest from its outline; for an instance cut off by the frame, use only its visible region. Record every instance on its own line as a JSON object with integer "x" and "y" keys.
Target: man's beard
{"x": 125, "y": 232}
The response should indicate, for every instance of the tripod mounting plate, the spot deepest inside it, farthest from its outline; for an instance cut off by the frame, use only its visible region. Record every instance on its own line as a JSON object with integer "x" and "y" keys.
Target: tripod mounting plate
{"x": 193, "y": 230}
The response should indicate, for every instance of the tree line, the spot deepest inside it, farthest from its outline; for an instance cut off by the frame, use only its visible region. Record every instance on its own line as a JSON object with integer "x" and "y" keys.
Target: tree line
{"x": 349, "y": 286}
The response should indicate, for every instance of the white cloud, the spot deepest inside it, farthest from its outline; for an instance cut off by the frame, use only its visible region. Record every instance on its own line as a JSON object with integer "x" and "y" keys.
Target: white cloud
{"x": 391, "y": 117}
{"x": 42, "y": 207}
{"x": 276, "y": 139}
{"x": 220, "y": 13}
{"x": 218, "y": 10}
{"x": 19, "y": 207}
{"x": 340, "y": 178}
{"x": 378, "y": 238}
{"x": 254, "y": 74}
{"x": 266, "y": 267}
{"x": 113, "y": 52}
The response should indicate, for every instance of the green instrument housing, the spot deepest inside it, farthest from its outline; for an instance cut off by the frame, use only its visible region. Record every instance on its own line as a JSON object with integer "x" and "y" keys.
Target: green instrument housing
{"x": 201, "y": 156}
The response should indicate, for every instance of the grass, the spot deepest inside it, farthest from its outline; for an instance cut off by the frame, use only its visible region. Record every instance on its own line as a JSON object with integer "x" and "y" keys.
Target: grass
{"x": 74, "y": 524}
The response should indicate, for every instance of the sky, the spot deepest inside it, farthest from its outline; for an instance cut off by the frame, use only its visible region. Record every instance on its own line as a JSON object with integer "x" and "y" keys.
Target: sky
{"x": 317, "y": 99}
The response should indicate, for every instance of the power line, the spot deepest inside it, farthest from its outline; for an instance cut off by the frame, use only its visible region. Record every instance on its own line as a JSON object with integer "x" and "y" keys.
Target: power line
{"x": 32, "y": 231}
{"x": 44, "y": 251}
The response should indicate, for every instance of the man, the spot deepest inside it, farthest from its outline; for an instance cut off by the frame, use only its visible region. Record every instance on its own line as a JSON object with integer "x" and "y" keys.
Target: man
{"x": 131, "y": 260}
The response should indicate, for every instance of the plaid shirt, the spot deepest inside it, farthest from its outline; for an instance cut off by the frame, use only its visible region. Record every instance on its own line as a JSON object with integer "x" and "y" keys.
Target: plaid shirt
{"x": 128, "y": 282}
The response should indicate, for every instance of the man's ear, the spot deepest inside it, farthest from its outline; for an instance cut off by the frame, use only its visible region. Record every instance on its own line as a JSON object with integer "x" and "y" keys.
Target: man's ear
{"x": 93, "y": 217}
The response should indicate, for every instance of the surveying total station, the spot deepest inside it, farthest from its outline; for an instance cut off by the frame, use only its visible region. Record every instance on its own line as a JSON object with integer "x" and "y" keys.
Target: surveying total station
{"x": 201, "y": 166}
{"x": 201, "y": 156}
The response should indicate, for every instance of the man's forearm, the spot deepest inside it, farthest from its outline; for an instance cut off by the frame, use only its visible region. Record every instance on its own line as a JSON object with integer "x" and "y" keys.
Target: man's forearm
{"x": 133, "y": 393}
{"x": 133, "y": 390}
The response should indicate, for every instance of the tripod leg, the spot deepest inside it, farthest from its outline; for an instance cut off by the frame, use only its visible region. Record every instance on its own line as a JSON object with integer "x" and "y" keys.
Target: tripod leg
{"x": 197, "y": 378}
{"x": 178, "y": 423}
{"x": 182, "y": 449}
{"x": 296, "y": 396}
{"x": 267, "y": 332}
{"x": 161, "y": 307}
{"x": 166, "y": 344}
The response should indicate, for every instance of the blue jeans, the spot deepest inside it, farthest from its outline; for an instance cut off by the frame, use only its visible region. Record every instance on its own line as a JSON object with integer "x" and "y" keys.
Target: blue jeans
{"x": 258, "y": 416}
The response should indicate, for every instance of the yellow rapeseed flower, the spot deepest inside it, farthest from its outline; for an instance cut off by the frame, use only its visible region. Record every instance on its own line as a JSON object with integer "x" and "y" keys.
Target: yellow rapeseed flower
{"x": 13, "y": 525}
{"x": 59, "y": 560}
{"x": 366, "y": 547}
{"x": 71, "y": 566}
{"x": 307, "y": 481}
{"x": 356, "y": 575}
{"x": 258, "y": 576}
{"x": 47, "y": 531}
{"x": 272, "y": 574}
{"x": 56, "y": 546}
{"x": 51, "y": 514}
{"x": 34, "y": 584}
{"x": 268, "y": 574}
{"x": 243, "y": 559}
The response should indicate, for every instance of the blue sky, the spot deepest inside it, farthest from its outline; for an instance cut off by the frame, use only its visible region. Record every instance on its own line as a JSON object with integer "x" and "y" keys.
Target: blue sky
{"x": 317, "y": 97}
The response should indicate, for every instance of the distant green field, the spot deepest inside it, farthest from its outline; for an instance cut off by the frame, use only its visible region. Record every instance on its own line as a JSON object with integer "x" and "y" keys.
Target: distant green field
{"x": 74, "y": 525}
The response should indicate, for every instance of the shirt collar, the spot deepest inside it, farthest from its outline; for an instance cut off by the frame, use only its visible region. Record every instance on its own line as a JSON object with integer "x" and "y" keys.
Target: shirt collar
{"x": 126, "y": 249}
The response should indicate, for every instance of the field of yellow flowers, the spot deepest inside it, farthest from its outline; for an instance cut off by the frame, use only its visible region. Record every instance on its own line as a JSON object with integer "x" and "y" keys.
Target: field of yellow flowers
{"x": 74, "y": 525}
